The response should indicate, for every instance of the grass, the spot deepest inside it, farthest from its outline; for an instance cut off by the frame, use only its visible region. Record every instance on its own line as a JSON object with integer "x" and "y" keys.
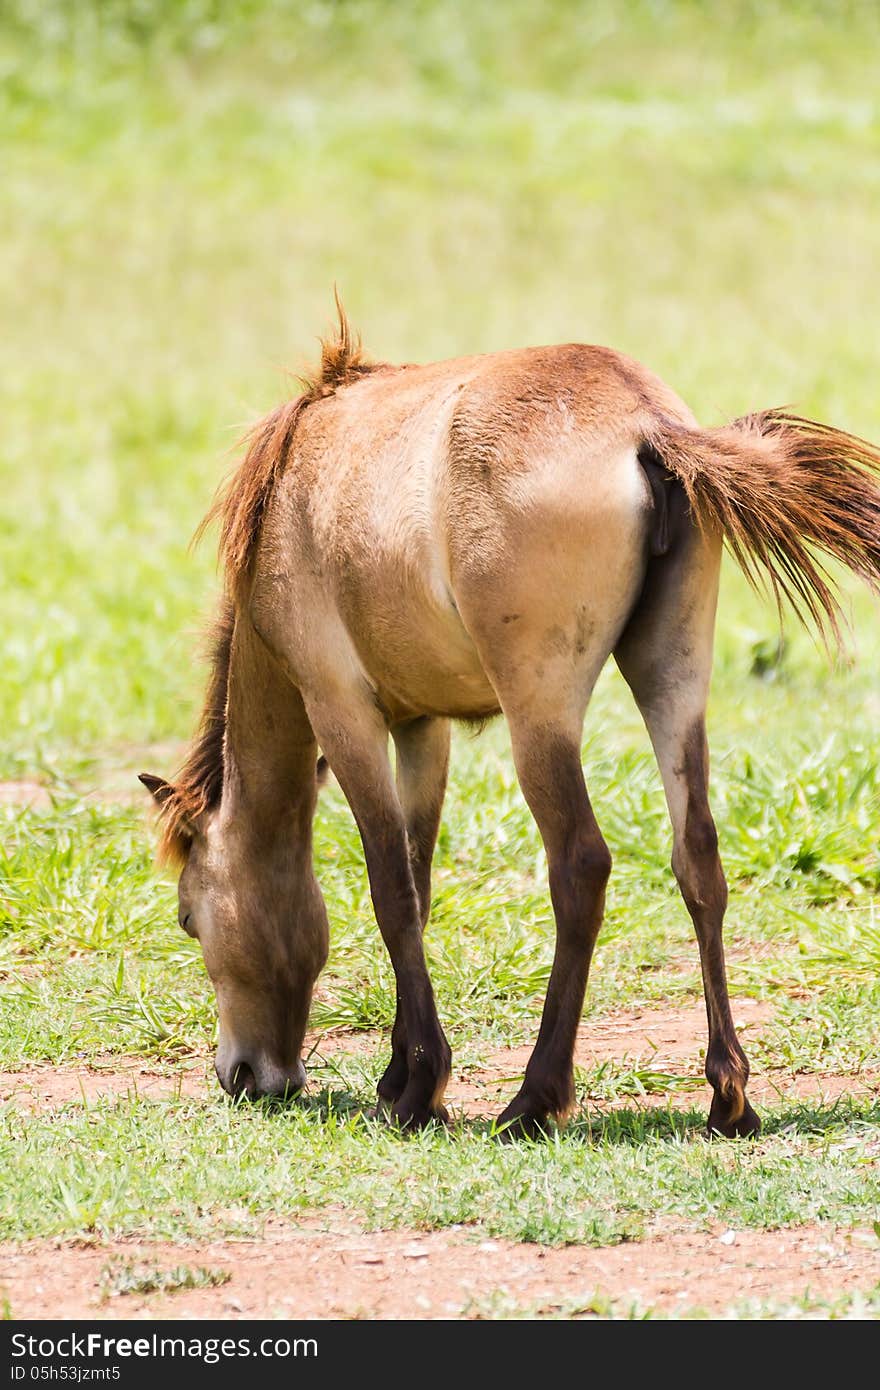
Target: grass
{"x": 122, "y": 1275}
{"x": 847, "y": 1307}
{"x": 94, "y": 964}
{"x": 135, "y": 1165}
{"x": 692, "y": 183}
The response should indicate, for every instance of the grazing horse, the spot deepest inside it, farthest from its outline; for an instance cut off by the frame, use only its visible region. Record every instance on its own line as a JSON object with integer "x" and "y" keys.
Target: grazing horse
{"x": 410, "y": 545}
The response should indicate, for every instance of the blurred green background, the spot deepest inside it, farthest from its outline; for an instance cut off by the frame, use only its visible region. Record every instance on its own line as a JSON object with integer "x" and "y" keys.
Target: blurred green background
{"x": 696, "y": 184}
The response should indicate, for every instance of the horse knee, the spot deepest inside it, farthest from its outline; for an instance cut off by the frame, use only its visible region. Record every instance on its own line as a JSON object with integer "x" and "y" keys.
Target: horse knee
{"x": 582, "y": 871}
{"x": 587, "y": 861}
{"x": 592, "y": 862}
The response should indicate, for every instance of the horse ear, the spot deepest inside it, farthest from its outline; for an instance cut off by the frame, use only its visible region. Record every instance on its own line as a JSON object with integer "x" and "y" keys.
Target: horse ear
{"x": 159, "y": 789}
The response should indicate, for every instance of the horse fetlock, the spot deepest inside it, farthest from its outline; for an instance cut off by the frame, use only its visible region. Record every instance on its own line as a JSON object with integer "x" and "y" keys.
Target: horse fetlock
{"x": 431, "y": 1061}
{"x": 513, "y": 1124}
{"x": 414, "y": 1082}
{"x": 727, "y": 1071}
{"x": 525, "y": 1118}
{"x": 727, "y": 1068}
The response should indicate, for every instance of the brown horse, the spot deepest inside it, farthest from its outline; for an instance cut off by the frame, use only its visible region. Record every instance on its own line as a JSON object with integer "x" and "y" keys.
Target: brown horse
{"x": 405, "y": 546}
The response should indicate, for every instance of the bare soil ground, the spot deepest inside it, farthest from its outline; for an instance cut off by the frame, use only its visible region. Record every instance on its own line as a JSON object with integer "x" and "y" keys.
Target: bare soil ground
{"x": 114, "y": 783}
{"x": 337, "y": 1271}
{"x": 326, "y": 1267}
{"x": 666, "y": 1040}
{"x": 25, "y": 794}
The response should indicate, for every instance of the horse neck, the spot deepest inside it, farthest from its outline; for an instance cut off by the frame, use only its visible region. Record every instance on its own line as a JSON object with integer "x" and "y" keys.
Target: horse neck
{"x": 270, "y": 754}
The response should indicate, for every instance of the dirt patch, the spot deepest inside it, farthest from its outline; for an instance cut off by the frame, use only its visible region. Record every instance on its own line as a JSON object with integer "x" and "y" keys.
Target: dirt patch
{"x": 114, "y": 781}
{"x": 47, "y": 1087}
{"x": 325, "y": 1266}
{"x": 44, "y": 1087}
{"x": 663, "y": 1035}
{"x": 664, "y": 1042}
{"x": 670, "y": 1042}
{"x": 25, "y": 794}
{"x": 298, "y": 1272}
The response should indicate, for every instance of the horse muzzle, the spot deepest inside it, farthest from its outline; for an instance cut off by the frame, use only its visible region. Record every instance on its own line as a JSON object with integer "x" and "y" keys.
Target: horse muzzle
{"x": 255, "y": 1077}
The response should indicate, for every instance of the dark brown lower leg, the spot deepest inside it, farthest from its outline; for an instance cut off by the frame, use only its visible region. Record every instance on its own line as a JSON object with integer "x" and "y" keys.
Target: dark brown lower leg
{"x": 398, "y": 913}
{"x": 579, "y": 864}
{"x": 697, "y": 867}
{"x": 359, "y": 759}
{"x": 422, "y": 766}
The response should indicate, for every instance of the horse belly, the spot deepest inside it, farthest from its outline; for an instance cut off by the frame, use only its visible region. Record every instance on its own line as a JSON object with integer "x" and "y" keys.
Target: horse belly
{"x": 413, "y": 647}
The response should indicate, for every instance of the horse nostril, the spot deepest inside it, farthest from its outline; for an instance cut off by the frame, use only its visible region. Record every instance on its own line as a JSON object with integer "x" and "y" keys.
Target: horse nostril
{"x": 243, "y": 1082}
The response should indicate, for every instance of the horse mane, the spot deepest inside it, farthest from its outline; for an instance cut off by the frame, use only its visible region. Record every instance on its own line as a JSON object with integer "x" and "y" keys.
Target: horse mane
{"x": 241, "y": 504}
{"x": 199, "y": 784}
{"x": 240, "y": 507}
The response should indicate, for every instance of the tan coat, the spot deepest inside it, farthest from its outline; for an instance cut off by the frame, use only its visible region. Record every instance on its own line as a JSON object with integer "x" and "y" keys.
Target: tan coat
{"x": 406, "y": 546}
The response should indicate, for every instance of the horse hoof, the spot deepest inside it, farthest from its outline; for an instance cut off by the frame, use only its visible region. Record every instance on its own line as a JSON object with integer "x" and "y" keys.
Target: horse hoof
{"x": 513, "y": 1124}
{"x": 412, "y": 1118}
{"x": 745, "y": 1126}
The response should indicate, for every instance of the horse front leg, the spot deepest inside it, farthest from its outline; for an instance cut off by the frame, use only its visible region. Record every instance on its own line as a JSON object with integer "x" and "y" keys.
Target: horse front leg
{"x": 422, "y": 766}
{"x": 355, "y": 742}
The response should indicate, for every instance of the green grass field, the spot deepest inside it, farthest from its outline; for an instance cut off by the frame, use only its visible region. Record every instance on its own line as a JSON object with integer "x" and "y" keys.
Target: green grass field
{"x": 692, "y": 183}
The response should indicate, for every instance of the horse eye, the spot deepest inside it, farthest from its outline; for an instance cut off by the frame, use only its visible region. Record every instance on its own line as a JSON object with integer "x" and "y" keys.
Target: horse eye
{"x": 184, "y": 919}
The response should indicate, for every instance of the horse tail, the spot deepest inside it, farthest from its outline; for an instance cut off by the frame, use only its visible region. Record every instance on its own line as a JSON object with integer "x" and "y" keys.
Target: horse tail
{"x": 788, "y": 494}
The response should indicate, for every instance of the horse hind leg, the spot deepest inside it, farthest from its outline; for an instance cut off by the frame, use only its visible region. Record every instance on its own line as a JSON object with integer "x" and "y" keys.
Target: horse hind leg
{"x": 665, "y": 655}
{"x": 544, "y": 627}
{"x": 548, "y": 765}
{"x": 422, "y": 766}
